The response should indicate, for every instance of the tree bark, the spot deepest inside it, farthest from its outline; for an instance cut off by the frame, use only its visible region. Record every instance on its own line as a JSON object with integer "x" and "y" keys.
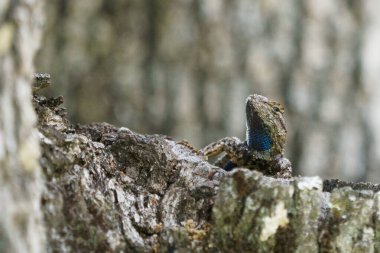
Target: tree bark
{"x": 110, "y": 189}
{"x": 197, "y": 61}
{"x": 20, "y": 174}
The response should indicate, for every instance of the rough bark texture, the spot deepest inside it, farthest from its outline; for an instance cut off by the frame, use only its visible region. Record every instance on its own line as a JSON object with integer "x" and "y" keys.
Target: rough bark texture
{"x": 110, "y": 189}
{"x": 20, "y": 174}
{"x": 197, "y": 61}
{"x": 113, "y": 189}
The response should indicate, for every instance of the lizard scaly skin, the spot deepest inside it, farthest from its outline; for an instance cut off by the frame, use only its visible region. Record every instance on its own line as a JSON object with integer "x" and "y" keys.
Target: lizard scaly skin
{"x": 263, "y": 149}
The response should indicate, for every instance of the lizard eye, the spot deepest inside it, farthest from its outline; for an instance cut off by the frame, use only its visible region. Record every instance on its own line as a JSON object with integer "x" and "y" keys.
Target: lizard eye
{"x": 277, "y": 109}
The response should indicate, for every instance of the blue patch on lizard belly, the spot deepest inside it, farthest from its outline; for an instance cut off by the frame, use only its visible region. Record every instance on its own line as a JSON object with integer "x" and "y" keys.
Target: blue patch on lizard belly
{"x": 258, "y": 136}
{"x": 229, "y": 166}
{"x": 259, "y": 140}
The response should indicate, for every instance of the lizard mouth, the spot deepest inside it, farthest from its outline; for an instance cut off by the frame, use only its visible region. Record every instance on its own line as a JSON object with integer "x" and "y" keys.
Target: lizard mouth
{"x": 258, "y": 136}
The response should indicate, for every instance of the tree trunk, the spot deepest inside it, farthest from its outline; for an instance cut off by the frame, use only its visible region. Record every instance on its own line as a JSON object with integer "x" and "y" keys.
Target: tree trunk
{"x": 197, "y": 61}
{"x": 110, "y": 189}
{"x": 20, "y": 174}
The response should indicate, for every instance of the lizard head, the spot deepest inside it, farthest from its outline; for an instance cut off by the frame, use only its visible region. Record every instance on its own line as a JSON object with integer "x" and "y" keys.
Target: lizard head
{"x": 266, "y": 130}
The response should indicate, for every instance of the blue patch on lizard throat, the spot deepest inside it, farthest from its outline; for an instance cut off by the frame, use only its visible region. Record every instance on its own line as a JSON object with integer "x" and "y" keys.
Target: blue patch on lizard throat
{"x": 259, "y": 140}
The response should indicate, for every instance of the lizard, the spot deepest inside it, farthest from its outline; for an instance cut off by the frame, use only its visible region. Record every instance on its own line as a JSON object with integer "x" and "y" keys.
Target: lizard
{"x": 264, "y": 146}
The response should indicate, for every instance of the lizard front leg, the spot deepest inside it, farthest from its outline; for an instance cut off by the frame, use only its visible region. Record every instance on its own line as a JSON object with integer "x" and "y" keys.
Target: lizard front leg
{"x": 231, "y": 146}
{"x": 227, "y": 144}
{"x": 222, "y": 161}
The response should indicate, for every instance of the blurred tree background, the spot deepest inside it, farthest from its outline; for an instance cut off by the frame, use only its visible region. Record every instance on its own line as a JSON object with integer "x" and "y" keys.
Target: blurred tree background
{"x": 184, "y": 68}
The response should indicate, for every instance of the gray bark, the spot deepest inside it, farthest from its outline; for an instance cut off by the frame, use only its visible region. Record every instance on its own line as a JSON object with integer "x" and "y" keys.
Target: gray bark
{"x": 20, "y": 174}
{"x": 196, "y": 61}
{"x": 110, "y": 189}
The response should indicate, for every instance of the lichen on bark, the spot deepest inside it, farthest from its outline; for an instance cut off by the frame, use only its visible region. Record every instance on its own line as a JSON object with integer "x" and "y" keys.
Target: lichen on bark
{"x": 112, "y": 189}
